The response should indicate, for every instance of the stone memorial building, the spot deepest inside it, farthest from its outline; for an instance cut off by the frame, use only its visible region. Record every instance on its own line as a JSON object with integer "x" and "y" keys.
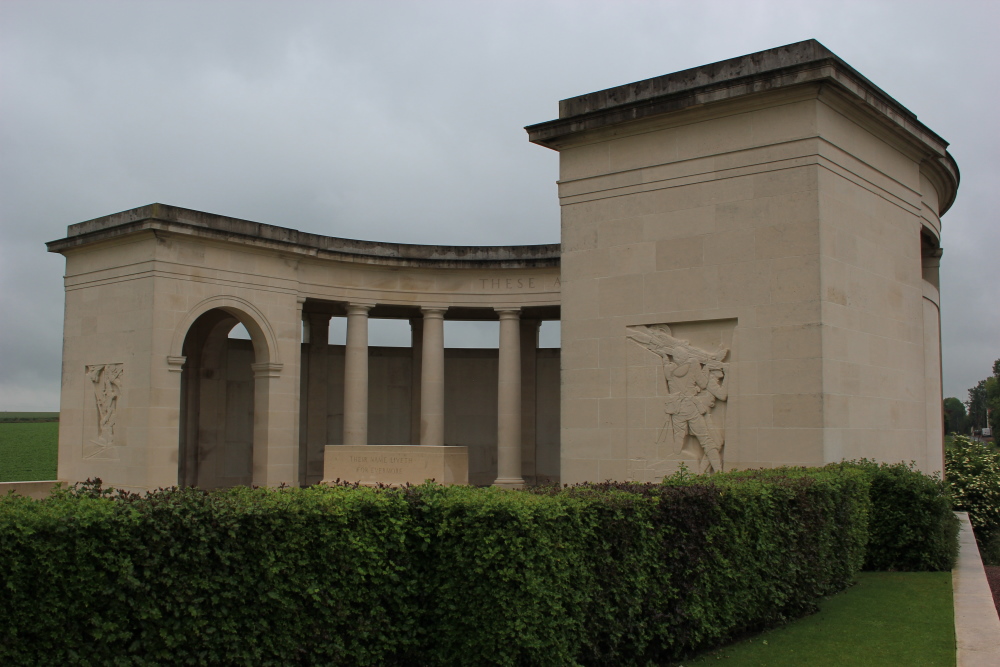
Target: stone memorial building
{"x": 747, "y": 276}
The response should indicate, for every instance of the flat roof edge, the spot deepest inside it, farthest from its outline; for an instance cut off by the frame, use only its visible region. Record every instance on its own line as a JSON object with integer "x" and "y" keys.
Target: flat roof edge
{"x": 782, "y": 67}
{"x": 174, "y": 218}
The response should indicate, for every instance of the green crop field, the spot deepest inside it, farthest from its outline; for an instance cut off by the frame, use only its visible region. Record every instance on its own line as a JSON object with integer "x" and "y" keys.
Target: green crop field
{"x": 28, "y": 450}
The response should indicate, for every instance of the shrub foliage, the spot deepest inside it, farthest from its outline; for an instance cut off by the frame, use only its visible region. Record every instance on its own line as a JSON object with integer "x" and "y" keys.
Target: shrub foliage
{"x": 596, "y": 574}
{"x": 973, "y": 473}
{"x": 912, "y": 527}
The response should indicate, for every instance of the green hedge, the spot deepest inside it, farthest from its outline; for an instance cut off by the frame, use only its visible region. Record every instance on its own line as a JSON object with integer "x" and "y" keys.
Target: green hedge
{"x": 973, "y": 473}
{"x": 594, "y": 574}
{"x": 972, "y": 470}
{"x": 693, "y": 562}
{"x": 181, "y": 577}
{"x": 913, "y": 527}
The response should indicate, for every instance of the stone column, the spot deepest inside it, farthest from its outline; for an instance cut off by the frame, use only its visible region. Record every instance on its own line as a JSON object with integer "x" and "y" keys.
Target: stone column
{"x": 267, "y": 469}
{"x": 432, "y": 378}
{"x": 317, "y": 366}
{"x": 509, "y": 401}
{"x": 933, "y": 389}
{"x": 416, "y": 350}
{"x": 529, "y": 399}
{"x": 356, "y": 375}
{"x": 187, "y": 468}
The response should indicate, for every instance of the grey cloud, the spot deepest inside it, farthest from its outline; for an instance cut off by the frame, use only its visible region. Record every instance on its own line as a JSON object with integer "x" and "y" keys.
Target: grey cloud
{"x": 402, "y": 121}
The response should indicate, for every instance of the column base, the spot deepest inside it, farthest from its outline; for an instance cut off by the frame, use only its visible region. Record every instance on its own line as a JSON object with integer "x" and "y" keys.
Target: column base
{"x": 509, "y": 483}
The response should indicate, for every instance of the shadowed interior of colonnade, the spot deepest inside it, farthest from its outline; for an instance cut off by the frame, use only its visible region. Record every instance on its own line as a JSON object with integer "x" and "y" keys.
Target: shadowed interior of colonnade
{"x": 218, "y": 394}
{"x": 395, "y": 382}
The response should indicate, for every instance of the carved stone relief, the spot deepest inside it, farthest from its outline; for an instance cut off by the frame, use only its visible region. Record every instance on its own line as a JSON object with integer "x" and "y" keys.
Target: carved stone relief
{"x": 681, "y": 416}
{"x": 106, "y": 380}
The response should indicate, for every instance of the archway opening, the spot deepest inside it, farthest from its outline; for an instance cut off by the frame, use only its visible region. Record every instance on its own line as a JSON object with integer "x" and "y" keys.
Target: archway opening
{"x": 218, "y": 393}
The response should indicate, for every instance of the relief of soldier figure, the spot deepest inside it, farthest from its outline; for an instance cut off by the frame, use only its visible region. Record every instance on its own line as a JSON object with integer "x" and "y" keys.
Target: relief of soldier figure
{"x": 696, "y": 379}
{"x": 107, "y": 379}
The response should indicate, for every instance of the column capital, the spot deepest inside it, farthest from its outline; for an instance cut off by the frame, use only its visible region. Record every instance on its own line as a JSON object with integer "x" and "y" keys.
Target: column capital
{"x": 433, "y": 312}
{"x": 266, "y": 369}
{"x": 175, "y": 364}
{"x": 359, "y": 307}
{"x": 317, "y": 327}
{"x": 313, "y": 316}
{"x": 508, "y": 313}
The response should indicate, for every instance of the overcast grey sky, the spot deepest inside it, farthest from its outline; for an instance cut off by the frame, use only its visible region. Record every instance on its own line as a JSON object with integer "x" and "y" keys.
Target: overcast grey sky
{"x": 402, "y": 121}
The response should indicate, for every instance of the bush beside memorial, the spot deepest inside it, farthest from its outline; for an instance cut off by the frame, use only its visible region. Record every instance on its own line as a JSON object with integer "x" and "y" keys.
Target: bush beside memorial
{"x": 183, "y": 577}
{"x": 722, "y": 556}
{"x": 913, "y": 527}
{"x": 614, "y": 573}
{"x": 973, "y": 472}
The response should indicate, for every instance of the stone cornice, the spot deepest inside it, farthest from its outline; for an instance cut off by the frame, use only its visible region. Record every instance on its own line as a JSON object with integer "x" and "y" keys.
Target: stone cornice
{"x": 803, "y": 63}
{"x": 161, "y": 218}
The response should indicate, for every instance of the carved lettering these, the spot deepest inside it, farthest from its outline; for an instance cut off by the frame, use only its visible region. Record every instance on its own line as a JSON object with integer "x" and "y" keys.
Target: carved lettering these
{"x": 107, "y": 381}
{"x": 514, "y": 283}
{"x": 696, "y": 379}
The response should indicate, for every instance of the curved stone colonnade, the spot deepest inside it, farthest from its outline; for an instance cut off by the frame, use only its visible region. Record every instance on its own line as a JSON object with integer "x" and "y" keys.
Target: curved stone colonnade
{"x": 747, "y": 277}
{"x": 152, "y": 293}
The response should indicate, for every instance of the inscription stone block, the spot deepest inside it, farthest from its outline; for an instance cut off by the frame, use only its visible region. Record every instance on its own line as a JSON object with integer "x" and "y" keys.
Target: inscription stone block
{"x": 396, "y": 464}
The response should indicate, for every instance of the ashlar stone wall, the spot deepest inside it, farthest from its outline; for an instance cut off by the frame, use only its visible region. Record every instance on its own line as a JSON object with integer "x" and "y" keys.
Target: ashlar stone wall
{"x": 748, "y": 270}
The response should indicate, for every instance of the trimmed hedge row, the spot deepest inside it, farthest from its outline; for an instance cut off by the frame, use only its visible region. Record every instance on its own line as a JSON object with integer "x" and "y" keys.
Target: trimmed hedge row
{"x": 733, "y": 554}
{"x": 913, "y": 527}
{"x": 614, "y": 573}
{"x": 181, "y": 577}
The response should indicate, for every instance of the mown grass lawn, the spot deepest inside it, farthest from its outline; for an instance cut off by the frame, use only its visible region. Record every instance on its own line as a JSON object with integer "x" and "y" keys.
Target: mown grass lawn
{"x": 28, "y": 451}
{"x": 888, "y": 618}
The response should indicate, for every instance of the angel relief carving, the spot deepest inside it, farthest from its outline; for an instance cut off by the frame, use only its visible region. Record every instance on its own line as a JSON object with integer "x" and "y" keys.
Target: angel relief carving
{"x": 107, "y": 381}
{"x": 696, "y": 381}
